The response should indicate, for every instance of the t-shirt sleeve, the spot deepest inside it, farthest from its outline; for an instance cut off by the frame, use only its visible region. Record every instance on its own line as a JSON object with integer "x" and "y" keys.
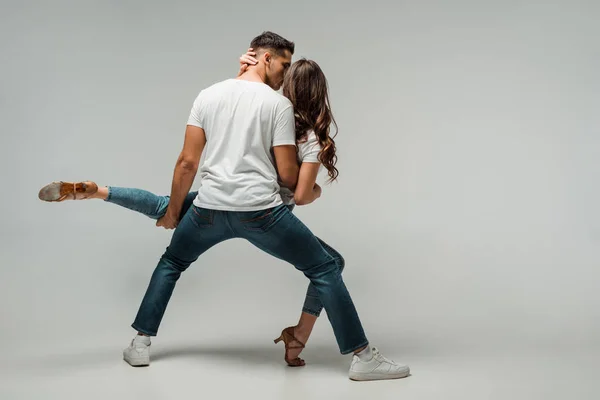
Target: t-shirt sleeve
{"x": 310, "y": 149}
{"x": 196, "y": 117}
{"x": 285, "y": 128}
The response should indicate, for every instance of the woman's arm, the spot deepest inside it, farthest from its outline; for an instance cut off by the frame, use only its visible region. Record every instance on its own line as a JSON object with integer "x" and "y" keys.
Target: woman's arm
{"x": 246, "y": 60}
{"x": 307, "y": 189}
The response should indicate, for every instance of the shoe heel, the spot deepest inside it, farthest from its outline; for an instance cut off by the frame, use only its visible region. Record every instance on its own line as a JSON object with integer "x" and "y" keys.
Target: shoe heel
{"x": 279, "y": 339}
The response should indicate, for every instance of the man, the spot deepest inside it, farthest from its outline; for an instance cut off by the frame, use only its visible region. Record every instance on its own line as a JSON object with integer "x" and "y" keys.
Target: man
{"x": 237, "y": 123}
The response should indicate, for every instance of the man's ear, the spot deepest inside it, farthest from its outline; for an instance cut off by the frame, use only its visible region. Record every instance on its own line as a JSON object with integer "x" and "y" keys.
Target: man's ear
{"x": 267, "y": 57}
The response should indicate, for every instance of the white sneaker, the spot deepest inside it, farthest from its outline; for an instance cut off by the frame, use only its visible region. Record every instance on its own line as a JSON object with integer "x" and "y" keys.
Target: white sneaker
{"x": 377, "y": 368}
{"x": 138, "y": 352}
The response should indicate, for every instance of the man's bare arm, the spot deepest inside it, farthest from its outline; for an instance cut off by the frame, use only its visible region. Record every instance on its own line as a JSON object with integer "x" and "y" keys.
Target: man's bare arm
{"x": 184, "y": 174}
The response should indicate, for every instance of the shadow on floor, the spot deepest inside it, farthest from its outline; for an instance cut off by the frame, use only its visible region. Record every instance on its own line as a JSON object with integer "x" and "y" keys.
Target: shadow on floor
{"x": 326, "y": 357}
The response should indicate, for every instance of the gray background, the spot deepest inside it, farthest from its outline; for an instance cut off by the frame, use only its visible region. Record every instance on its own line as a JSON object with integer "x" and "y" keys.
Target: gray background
{"x": 466, "y": 209}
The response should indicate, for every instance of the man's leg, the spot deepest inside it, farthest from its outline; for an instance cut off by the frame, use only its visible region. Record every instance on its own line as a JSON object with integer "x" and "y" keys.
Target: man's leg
{"x": 198, "y": 231}
{"x": 278, "y": 232}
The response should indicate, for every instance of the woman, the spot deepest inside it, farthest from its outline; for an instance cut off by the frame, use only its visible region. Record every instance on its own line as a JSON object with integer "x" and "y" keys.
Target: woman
{"x": 305, "y": 86}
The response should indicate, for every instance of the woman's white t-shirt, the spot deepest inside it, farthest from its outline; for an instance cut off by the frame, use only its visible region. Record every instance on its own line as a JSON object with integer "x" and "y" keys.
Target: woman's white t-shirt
{"x": 308, "y": 151}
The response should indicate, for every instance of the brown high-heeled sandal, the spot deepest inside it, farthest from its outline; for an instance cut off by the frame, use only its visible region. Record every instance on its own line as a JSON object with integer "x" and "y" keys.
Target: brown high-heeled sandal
{"x": 60, "y": 191}
{"x": 287, "y": 335}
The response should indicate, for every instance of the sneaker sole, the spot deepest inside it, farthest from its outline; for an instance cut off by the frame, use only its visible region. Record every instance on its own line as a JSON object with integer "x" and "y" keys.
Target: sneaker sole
{"x": 137, "y": 361}
{"x": 360, "y": 377}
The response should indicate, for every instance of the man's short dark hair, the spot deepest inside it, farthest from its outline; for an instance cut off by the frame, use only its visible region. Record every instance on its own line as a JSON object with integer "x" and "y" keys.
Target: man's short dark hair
{"x": 272, "y": 41}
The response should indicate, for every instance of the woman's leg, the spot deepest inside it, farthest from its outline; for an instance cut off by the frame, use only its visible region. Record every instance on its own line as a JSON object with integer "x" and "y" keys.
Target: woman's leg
{"x": 312, "y": 303}
{"x": 142, "y": 201}
{"x": 139, "y": 200}
{"x": 312, "y": 307}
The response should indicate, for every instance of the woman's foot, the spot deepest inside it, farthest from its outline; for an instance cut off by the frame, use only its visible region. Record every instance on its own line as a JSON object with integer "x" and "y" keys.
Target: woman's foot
{"x": 294, "y": 341}
{"x": 60, "y": 191}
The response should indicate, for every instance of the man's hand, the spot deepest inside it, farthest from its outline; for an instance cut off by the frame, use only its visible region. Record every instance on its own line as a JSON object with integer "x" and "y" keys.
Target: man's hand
{"x": 167, "y": 222}
{"x": 246, "y": 60}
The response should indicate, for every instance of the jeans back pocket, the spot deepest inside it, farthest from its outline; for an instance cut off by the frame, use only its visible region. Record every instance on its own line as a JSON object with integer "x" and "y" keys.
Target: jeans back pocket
{"x": 257, "y": 221}
{"x": 202, "y": 217}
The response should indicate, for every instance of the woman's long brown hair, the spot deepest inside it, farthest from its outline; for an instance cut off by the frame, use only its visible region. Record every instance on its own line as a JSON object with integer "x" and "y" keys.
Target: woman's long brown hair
{"x": 306, "y": 87}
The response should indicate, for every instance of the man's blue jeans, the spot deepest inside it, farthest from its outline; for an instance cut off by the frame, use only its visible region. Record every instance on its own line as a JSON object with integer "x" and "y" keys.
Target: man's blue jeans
{"x": 276, "y": 231}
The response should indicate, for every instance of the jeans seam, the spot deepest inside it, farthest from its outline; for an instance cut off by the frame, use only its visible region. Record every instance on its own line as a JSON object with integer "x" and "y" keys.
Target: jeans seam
{"x": 226, "y": 218}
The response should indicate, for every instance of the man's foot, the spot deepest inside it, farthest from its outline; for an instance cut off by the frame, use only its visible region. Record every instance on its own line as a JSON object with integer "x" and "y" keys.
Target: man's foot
{"x": 60, "y": 191}
{"x": 138, "y": 352}
{"x": 372, "y": 365}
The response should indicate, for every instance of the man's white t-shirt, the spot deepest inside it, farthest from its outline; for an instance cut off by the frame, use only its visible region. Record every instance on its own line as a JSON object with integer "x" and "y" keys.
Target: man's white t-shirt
{"x": 308, "y": 151}
{"x": 242, "y": 120}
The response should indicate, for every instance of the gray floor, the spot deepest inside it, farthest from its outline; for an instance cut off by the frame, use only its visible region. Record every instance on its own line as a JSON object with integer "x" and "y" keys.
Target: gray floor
{"x": 224, "y": 369}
